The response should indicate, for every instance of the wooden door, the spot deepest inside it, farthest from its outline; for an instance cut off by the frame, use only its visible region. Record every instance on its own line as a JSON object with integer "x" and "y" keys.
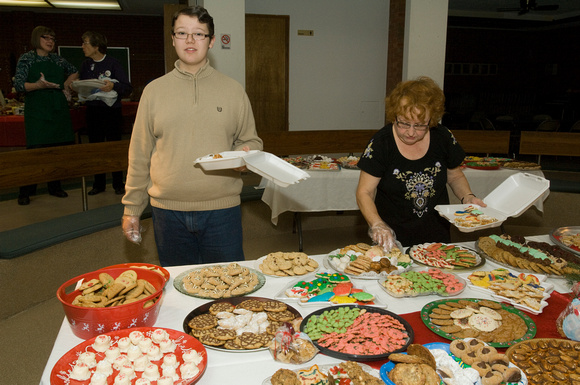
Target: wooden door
{"x": 267, "y": 40}
{"x": 170, "y": 54}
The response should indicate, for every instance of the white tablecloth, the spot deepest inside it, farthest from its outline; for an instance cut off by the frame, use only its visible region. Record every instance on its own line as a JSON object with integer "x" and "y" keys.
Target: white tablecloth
{"x": 335, "y": 191}
{"x": 228, "y": 367}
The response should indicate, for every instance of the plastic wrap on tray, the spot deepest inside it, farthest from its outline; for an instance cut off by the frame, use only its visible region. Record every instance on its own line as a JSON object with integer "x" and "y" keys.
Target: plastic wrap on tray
{"x": 398, "y": 262}
{"x": 425, "y": 282}
{"x": 327, "y": 289}
{"x": 528, "y": 292}
{"x": 291, "y": 347}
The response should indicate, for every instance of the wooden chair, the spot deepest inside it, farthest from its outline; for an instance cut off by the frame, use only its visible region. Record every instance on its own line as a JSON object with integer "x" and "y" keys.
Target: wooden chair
{"x": 575, "y": 127}
{"x": 549, "y": 125}
{"x": 486, "y": 124}
{"x": 550, "y": 143}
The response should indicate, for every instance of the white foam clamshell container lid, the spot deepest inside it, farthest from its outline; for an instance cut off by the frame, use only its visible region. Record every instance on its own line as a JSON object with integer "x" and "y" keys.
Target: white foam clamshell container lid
{"x": 510, "y": 199}
{"x": 275, "y": 169}
{"x": 517, "y": 193}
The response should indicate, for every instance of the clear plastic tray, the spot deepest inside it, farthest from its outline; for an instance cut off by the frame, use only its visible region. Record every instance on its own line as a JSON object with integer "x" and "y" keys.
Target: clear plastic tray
{"x": 548, "y": 289}
{"x": 229, "y": 159}
{"x": 275, "y": 169}
{"x": 396, "y": 295}
{"x": 329, "y": 263}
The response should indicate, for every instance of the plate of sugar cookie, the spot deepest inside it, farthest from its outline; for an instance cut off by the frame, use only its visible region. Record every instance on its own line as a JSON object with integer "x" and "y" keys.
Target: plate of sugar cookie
{"x": 286, "y": 264}
{"x": 143, "y": 352}
{"x": 497, "y": 324}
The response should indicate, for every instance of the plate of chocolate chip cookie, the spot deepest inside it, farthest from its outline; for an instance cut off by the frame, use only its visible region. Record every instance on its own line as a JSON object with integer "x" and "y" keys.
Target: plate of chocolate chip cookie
{"x": 239, "y": 324}
{"x": 497, "y": 324}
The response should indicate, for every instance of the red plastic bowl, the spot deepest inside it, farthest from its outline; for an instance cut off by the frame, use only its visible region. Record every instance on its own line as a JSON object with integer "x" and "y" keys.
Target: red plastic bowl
{"x": 89, "y": 322}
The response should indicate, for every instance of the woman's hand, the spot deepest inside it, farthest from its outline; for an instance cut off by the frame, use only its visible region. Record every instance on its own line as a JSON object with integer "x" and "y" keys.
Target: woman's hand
{"x": 108, "y": 87}
{"x": 132, "y": 228}
{"x": 382, "y": 235}
{"x": 472, "y": 199}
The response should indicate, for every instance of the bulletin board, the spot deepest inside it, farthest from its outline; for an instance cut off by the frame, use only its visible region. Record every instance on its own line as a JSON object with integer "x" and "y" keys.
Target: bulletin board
{"x": 75, "y": 55}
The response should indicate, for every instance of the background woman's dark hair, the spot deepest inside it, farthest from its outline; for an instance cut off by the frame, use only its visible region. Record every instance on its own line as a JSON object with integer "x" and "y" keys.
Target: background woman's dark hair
{"x": 96, "y": 39}
{"x": 196, "y": 11}
{"x": 37, "y": 32}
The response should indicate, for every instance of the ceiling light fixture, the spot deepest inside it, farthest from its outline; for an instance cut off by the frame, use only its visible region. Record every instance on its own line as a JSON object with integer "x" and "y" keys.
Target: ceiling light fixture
{"x": 25, "y": 3}
{"x": 70, "y": 4}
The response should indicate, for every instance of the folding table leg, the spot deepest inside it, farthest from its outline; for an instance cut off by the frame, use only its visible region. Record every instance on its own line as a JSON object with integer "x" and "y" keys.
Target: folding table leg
{"x": 298, "y": 227}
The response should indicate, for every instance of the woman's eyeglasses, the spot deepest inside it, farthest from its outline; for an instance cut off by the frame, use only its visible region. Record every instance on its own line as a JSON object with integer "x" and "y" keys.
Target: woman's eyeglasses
{"x": 417, "y": 127}
{"x": 48, "y": 37}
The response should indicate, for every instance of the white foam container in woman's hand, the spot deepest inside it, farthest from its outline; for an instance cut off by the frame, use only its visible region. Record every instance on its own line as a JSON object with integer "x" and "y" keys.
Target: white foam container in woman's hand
{"x": 510, "y": 199}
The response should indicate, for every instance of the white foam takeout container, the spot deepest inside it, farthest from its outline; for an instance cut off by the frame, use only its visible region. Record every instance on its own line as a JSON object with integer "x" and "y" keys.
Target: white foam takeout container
{"x": 229, "y": 159}
{"x": 510, "y": 199}
{"x": 262, "y": 163}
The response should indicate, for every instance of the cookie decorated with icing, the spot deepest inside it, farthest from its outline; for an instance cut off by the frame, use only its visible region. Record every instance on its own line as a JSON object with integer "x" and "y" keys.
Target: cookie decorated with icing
{"x": 333, "y": 277}
{"x": 342, "y": 299}
{"x": 363, "y": 296}
{"x": 343, "y": 288}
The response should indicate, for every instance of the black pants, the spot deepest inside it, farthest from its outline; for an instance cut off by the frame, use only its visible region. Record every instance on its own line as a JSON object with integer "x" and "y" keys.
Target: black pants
{"x": 54, "y": 186}
{"x": 105, "y": 124}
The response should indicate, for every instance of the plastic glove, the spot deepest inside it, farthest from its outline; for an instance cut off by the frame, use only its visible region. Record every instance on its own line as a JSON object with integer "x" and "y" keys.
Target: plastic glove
{"x": 383, "y": 235}
{"x": 132, "y": 228}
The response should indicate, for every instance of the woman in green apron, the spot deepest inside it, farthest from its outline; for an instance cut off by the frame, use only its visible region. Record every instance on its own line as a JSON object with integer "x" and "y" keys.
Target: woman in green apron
{"x": 45, "y": 77}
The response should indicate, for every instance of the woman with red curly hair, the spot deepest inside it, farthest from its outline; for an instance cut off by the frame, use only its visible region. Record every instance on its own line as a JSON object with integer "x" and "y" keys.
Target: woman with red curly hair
{"x": 406, "y": 167}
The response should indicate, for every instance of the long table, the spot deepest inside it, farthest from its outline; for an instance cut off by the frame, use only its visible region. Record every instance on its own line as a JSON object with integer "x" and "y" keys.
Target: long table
{"x": 227, "y": 367}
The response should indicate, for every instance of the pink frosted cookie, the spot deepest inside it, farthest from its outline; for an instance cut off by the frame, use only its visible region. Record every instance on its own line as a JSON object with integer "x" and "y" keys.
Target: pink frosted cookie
{"x": 343, "y": 288}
